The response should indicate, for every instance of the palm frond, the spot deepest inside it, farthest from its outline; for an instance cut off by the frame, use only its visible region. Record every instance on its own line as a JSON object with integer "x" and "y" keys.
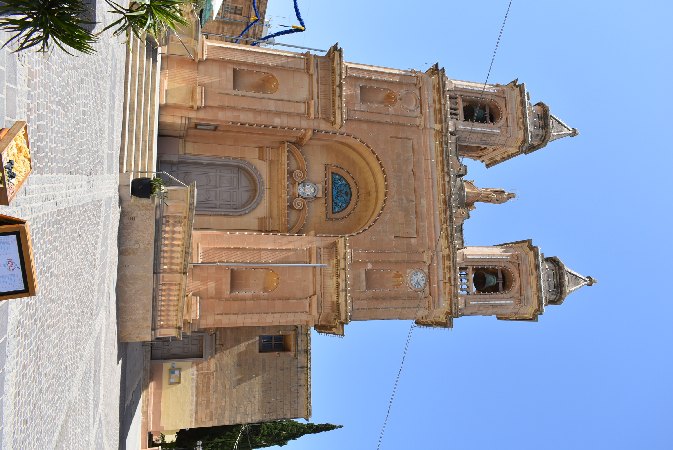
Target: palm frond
{"x": 152, "y": 17}
{"x": 45, "y": 24}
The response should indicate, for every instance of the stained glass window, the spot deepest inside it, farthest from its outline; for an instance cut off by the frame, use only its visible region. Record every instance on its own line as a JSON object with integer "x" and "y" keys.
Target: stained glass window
{"x": 341, "y": 193}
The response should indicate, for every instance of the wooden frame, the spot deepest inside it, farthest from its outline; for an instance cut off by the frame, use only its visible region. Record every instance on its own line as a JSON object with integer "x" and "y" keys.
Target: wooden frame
{"x": 7, "y": 136}
{"x": 276, "y": 343}
{"x": 15, "y": 231}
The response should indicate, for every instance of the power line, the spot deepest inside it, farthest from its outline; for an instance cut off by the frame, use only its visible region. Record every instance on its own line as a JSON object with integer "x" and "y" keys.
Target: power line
{"x": 413, "y": 324}
{"x": 490, "y": 66}
{"x": 497, "y": 44}
{"x": 396, "y": 383}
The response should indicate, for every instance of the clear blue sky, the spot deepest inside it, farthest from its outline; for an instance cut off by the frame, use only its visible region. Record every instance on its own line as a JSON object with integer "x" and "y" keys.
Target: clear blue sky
{"x": 595, "y": 372}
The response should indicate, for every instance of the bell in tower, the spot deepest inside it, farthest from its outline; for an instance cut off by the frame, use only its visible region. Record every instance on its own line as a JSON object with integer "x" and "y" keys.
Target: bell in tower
{"x": 512, "y": 281}
{"x": 488, "y": 281}
{"x": 494, "y": 123}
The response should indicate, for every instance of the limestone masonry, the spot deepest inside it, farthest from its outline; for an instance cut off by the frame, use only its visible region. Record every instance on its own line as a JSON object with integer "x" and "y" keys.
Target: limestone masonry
{"x": 326, "y": 192}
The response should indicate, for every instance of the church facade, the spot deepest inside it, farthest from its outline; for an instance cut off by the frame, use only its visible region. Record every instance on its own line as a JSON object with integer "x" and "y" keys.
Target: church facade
{"x": 329, "y": 192}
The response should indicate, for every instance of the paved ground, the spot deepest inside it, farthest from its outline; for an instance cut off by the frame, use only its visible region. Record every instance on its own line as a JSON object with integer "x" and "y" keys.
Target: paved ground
{"x": 134, "y": 356}
{"x": 60, "y": 365}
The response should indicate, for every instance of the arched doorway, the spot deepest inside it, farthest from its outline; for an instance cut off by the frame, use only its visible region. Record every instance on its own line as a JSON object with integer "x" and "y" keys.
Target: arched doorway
{"x": 226, "y": 186}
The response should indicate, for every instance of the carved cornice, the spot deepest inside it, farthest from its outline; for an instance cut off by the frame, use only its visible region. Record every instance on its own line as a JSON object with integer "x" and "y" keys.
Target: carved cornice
{"x": 335, "y": 54}
{"x": 445, "y": 150}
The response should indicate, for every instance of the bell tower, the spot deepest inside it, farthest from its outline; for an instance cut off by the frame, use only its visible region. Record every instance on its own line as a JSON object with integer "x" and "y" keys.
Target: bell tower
{"x": 495, "y": 122}
{"x": 512, "y": 281}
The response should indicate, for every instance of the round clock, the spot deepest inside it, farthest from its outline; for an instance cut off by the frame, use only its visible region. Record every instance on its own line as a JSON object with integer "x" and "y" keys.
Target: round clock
{"x": 307, "y": 189}
{"x": 418, "y": 280}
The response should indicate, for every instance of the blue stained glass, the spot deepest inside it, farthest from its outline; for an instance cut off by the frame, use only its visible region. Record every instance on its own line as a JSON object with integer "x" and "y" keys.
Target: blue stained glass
{"x": 341, "y": 193}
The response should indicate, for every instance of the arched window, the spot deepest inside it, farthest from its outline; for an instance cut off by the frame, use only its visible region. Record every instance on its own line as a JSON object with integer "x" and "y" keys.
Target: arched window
{"x": 342, "y": 193}
{"x": 377, "y": 96}
{"x": 480, "y": 111}
{"x": 255, "y": 81}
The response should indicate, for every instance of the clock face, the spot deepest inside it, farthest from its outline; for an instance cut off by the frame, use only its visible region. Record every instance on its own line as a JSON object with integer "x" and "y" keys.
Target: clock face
{"x": 418, "y": 280}
{"x": 307, "y": 189}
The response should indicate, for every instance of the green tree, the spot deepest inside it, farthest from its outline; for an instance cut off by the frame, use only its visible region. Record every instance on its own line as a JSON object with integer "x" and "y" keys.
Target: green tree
{"x": 249, "y": 437}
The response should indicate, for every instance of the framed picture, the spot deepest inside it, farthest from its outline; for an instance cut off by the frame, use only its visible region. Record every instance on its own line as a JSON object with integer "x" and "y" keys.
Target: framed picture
{"x": 17, "y": 269}
{"x": 174, "y": 376}
{"x": 15, "y": 160}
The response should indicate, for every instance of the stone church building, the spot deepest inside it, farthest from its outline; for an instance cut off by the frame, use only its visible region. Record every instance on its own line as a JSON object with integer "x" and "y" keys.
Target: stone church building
{"x": 328, "y": 192}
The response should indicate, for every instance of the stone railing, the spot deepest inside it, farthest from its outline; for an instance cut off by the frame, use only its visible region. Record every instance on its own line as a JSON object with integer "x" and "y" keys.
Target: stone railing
{"x": 175, "y": 218}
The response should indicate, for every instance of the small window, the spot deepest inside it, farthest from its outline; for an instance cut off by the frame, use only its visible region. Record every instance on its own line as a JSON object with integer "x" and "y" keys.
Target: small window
{"x": 269, "y": 343}
{"x": 480, "y": 111}
{"x": 206, "y": 126}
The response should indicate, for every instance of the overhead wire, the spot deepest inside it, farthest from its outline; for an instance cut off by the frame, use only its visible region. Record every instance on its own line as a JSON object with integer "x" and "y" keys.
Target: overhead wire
{"x": 410, "y": 333}
{"x": 397, "y": 382}
{"x": 413, "y": 324}
{"x": 497, "y": 45}
{"x": 490, "y": 66}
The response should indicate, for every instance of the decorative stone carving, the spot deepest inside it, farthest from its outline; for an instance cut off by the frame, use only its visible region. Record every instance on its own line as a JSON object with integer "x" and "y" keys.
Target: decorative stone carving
{"x": 474, "y": 194}
{"x": 298, "y": 175}
{"x": 299, "y": 203}
{"x": 409, "y": 101}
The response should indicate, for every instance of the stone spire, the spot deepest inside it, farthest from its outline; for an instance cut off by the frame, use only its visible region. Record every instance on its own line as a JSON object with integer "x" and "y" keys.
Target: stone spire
{"x": 543, "y": 127}
{"x": 559, "y": 129}
{"x": 558, "y": 281}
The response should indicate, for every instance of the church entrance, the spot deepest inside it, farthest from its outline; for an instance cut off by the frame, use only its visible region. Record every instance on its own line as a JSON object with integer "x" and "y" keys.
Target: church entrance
{"x": 225, "y": 186}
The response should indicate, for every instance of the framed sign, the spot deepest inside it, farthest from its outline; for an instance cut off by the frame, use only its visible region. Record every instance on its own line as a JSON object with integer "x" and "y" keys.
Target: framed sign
{"x": 17, "y": 269}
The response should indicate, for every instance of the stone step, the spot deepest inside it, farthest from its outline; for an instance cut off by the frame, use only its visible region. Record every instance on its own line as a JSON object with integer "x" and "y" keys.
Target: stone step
{"x": 140, "y": 122}
{"x": 149, "y": 113}
{"x": 130, "y": 96}
{"x": 129, "y": 68}
{"x": 153, "y": 126}
{"x": 138, "y": 152}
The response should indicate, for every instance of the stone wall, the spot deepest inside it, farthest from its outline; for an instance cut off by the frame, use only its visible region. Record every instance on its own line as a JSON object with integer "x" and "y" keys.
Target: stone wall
{"x": 239, "y": 384}
{"x": 135, "y": 271}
